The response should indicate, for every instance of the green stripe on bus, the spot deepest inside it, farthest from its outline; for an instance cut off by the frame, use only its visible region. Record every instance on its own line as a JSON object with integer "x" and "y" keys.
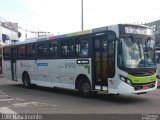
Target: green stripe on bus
{"x": 144, "y": 79}
{"x": 88, "y": 68}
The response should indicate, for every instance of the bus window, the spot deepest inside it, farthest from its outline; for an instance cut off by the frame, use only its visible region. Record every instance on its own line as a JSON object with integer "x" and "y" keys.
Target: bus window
{"x": 54, "y": 50}
{"x": 158, "y": 57}
{"x": 43, "y": 50}
{"x": 67, "y": 48}
{"x": 70, "y": 50}
{"x": 82, "y": 48}
{"x": 64, "y": 51}
{"x": 6, "y": 53}
{"x": 31, "y": 51}
{"x": 21, "y": 52}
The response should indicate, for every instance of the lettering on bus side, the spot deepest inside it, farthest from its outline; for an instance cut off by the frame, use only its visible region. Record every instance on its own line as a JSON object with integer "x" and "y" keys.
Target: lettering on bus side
{"x": 82, "y": 61}
{"x": 70, "y": 65}
{"x": 25, "y": 65}
{"x": 42, "y": 64}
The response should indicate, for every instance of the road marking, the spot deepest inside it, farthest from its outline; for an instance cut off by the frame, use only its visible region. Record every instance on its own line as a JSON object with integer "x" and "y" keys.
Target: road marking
{"x": 3, "y": 100}
{"x": 17, "y": 99}
{"x": 6, "y": 110}
{"x": 21, "y": 104}
{"x": 5, "y": 96}
{"x": 32, "y": 104}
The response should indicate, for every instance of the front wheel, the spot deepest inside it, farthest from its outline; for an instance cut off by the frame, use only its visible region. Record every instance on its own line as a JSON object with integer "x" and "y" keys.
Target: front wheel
{"x": 84, "y": 88}
{"x": 26, "y": 81}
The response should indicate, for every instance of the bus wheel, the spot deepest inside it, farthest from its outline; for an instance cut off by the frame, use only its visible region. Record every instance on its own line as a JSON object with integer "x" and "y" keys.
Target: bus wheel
{"x": 84, "y": 88}
{"x": 26, "y": 81}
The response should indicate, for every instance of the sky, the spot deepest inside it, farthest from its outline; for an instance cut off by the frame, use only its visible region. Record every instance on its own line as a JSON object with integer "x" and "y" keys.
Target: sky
{"x": 64, "y": 16}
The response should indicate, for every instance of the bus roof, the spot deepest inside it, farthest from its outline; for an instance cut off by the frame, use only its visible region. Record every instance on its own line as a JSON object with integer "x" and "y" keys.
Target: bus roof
{"x": 52, "y": 37}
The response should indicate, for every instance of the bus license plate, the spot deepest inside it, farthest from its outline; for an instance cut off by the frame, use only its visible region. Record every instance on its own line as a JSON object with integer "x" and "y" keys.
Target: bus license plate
{"x": 145, "y": 87}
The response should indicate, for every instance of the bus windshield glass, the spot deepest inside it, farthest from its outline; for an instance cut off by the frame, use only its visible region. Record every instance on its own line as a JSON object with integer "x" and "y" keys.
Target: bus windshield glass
{"x": 136, "y": 53}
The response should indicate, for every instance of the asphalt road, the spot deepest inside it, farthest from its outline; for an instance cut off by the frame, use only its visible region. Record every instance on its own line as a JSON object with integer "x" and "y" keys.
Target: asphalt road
{"x": 14, "y": 98}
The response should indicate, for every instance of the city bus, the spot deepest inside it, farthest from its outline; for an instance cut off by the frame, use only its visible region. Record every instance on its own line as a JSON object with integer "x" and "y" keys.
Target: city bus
{"x": 116, "y": 59}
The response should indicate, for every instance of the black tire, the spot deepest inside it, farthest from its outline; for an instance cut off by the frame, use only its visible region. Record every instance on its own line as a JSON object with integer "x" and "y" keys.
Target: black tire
{"x": 84, "y": 88}
{"x": 26, "y": 80}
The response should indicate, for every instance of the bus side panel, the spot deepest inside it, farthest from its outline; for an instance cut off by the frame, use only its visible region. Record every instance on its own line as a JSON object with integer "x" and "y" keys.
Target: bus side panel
{"x": 7, "y": 69}
{"x": 64, "y": 72}
{"x": 53, "y": 73}
{"x": 42, "y": 75}
{"x": 26, "y": 66}
{"x": 55, "y": 67}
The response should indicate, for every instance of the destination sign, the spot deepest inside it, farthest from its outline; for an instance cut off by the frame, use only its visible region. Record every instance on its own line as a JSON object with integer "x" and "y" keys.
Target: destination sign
{"x": 135, "y": 30}
{"x": 139, "y": 30}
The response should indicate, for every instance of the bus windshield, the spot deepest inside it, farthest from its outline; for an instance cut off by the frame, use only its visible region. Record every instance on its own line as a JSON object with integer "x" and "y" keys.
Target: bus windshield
{"x": 136, "y": 53}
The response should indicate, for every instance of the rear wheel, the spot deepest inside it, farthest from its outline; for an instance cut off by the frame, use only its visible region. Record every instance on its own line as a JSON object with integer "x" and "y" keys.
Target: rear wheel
{"x": 84, "y": 88}
{"x": 26, "y": 80}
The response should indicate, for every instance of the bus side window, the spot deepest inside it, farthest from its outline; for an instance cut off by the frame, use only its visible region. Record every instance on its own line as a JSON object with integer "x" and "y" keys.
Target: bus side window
{"x": 31, "y": 51}
{"x": 43, "y": 50}
{"x": 70, "y": 50}
{"x": 64, "y": 51}
{"x": 67, "y": 48}
{"x": 54, "y": 50}
{"x": 82, "y": 47}
{"x": 21, "y": 52}
{"x": 6, "y": 53}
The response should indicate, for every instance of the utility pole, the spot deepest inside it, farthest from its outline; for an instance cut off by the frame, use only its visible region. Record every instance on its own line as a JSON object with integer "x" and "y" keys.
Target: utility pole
{"x": 82, "y": 14}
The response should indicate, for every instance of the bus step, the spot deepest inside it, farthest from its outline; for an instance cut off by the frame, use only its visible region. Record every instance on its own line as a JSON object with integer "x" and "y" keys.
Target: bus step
{"x": 102, "y": 92}
{"x": 104, "y": 88}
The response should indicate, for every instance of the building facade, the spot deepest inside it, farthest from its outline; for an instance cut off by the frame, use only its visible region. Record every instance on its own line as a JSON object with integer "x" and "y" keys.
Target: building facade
{"x": 8, "y": 34}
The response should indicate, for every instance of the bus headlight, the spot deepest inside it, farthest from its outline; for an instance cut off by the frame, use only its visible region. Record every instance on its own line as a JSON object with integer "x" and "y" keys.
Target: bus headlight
{"x": 129, "y": 82}
{"x": 124, "y": 79}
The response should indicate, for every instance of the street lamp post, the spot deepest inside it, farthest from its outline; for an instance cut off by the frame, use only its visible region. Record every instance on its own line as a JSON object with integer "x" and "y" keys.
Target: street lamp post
{"x": 82, "y": 14}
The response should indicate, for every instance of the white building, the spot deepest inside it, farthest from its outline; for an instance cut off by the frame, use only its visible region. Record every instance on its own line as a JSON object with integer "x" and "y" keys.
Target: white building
{"x": 8, "y": 34}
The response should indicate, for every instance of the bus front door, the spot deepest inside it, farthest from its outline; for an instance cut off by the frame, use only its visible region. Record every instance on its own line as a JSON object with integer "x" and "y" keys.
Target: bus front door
{"x": 13, "y": 63}
{"x": 104, "y": 60}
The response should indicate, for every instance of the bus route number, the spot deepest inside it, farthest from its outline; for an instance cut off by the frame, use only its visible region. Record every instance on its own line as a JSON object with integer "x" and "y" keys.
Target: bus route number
{"x": 70, "y": 65}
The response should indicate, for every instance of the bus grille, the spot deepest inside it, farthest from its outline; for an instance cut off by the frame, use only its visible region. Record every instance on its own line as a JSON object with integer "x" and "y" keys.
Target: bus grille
{"x": 144, "y": 86}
